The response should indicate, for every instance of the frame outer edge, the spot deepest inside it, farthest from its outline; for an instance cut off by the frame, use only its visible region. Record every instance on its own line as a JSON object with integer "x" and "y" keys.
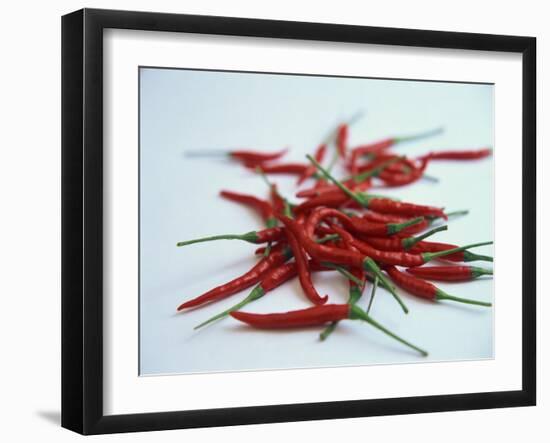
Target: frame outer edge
{"x": 529, "y": 210}
{"x": 72, "y": 252}
{"x": 82, "y": 217}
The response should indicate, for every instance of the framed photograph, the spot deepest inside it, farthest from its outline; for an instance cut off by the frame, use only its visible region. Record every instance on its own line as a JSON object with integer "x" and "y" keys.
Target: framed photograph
{"x": 269, "y": 221}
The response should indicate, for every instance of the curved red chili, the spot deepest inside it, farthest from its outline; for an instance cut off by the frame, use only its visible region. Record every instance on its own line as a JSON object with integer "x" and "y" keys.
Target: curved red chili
{"x": 324, "y": 253}
{"x": 402, "y": 179}
{"x": 303, "y": 271}
{"x": 450, "y": 273}
{"x": 383, "y": 205}
{"x": 279, "y": 254}
{"x": 425, "y": 289}
{"x": 382, "y": 145}
{"x": 273, "y": 279}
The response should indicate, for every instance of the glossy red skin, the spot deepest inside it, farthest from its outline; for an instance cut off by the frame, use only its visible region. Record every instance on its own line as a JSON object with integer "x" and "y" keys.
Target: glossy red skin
{"x": 328, "y": 188}
{"x": 269, "y": 235}
{"x": 277, "y": 257}
{"x": 402, "y": 178}
{"x": 342, "y": 140}
{"x": 316, "y": 315}
{"x": 459, "y": 155}
{"x": 382, "y": 218}
{"x": 321, "y": 252}
{"x": 282, "y": 168}
{"x": 414, "y": 285}
{"x": 427, "y": 246}
{"x": 276, "y": 199}
{"x": 263, "y": 207}
{"x": 385, "y": 243}
{"x": 355, "y": 224}
{"x": 303, "y": 271}
{"x": 284, "y": 273}
{"x": 386, "y": 206}
{"x": 386, "y": 257}
{"x": 444, "y": 273}
{"x": 255, "y": 157}
{"x": 373, "y": 148}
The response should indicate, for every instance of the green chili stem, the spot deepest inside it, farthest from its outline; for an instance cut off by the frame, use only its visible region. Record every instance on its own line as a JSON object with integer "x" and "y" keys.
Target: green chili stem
{"x": 207, "y": 153}
{"x": 370, "y": 265}
{"x": 344, "y": 272}
{"x": 358, "y": 198}
{"x": 328, "y": 330}
{"x": 414, "y": 137}
{"x": 373, "y": 292}
{"x": 357, "y": 314}
{"x": 409, "y": 242}
{"x": 430, "y": 178}
{"x": 256, "y": 293}
{"x": 470, "y": 256}
{"x": 374, "y": 172}
{"x": 394, "y": 228}
{"x": 440, "y": 295}
{"x": 448, "y": 214}
{"x": 250, "y": 237}
{"x": 355, "y": 293}
{"x": 478, "y": 272}
{"x": 431, "y": 255}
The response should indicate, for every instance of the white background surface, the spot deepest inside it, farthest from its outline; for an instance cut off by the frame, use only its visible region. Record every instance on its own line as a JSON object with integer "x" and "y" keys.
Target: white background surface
{"x": 30, "y": 166}
{"x": 183, "y": 110}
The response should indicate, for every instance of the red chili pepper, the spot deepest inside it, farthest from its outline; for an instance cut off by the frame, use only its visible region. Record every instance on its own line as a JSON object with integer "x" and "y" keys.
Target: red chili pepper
{"x": 357, "y": 224}
{"x": 450, "y": 273}
{"x": 262, "y": 236}
{"x": 326, "y": 239}
{"x": 281, "y": 168}
{"x": 383, "y": 205}
{"x": 314, "y": 316}
{"x": 310, "y": 170}
{"x": 379, "y": 146}
{"x": 342, "y": 140}
{"x": 303, "y": 271}
{"x": 262, "y": 206}
{"x": 273, "y": 279}
{"x": 386, "y": 257}
{"x": 257, "y": 157}
{"x": 403, "y": 179}
{"x": 277, "y": 200}
{"x": 399, "y": 243}
{"x": 324, "y": 253}
{"x": 279, "y": 254}
{"x": 459, "y": 155}
{"x": 424, "y": 289}
{"x": 359, "y": 182}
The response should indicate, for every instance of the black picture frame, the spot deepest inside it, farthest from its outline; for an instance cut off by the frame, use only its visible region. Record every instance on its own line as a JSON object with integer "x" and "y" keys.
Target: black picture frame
{"x": 82, "y": 218}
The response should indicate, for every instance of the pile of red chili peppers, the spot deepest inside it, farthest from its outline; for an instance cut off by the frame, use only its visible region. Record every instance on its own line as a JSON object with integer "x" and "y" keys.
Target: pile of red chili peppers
{"x": 339, "y": 226}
